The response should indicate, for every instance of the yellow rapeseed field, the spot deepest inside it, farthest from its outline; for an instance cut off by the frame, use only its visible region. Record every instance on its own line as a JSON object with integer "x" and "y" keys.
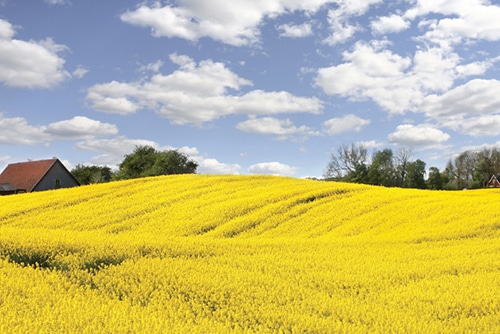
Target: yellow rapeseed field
{"x": 249, "y": 254}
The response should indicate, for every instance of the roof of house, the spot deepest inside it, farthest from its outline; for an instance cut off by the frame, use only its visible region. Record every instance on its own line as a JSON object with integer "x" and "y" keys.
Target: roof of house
{"x": 6, "y": 187}
{"x": 493, "y": 182}
{"x": 26, "y": 175}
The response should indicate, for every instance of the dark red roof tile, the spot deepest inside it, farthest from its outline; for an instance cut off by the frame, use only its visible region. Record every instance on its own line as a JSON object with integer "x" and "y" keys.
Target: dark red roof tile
{"x": 26, "y": 175}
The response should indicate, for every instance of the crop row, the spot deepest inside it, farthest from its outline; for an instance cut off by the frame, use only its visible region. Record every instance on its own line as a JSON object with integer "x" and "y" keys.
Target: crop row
{"x": 215, "y": 254}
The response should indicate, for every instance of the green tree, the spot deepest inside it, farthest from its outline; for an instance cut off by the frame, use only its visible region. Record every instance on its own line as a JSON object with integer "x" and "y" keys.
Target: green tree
{"x": 146, "y": 161}
{"x": 415, "y": 177}
{"x": 91, "y": 174}
{"x": 382, "y": 171}
{"x": 359, "y": 175}
{"x": 173, "y": 162}
{"x": 488, "y": 164}
{"x": 436, "y": 180}
{"x": 462, "y": 170}
{"x": 138, "y": 163}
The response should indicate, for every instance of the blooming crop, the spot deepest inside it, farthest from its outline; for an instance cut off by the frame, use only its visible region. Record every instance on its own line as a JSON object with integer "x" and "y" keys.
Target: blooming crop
{"x": 244, "y": 254}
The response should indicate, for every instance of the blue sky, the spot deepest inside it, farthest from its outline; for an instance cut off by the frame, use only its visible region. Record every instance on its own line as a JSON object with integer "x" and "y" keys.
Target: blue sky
{"x": 247, "y": 86}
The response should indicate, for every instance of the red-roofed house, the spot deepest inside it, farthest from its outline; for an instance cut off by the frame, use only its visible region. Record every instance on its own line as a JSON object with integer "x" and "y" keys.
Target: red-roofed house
{"x": 493, "y": 182}
{"x": 36, "y": 176}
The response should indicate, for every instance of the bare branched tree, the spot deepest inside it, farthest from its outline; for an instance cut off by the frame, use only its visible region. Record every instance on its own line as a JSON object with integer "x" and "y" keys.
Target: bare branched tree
{"x": 403, "y": 157}
{"x": 348, "y": 159}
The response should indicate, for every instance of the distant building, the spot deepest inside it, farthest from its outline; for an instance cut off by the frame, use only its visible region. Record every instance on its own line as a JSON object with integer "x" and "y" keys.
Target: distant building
{"x": 493, "y": 182}
{"x": 35, "y": 176}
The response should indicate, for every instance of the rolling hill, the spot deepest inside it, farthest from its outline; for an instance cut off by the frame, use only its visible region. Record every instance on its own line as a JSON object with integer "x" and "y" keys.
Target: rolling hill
{"x": 221, "y": 253}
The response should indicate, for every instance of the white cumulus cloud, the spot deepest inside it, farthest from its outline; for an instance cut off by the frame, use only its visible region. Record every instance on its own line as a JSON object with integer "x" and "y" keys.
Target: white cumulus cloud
{"x": 488, "y": 125}
{"x": 17, "y": 131}
{"x": 283, "y": 128}
{"x": 417, "y": 135}
{"x": 235, "y": 22}
{"x": 472, "y": 108}
{"x": 81, "y": 127}
{"x": 461, "y": 19}
{"x": 213, "y": 166}
{"x": 389, "y": 24}
{"x": 272, "y": 168}
{"x": 29, "y": 64}
{"x": 396, "y": 83}
{"x": 112, "y": 151}
{"x": 196, "y": 93}
{"x": 475, "y": 97}
{"x": 339, "y": 19}
{"x": 346, "y": 123}
{"x": 206, "y": 165}
{"x": 238, "y": 22}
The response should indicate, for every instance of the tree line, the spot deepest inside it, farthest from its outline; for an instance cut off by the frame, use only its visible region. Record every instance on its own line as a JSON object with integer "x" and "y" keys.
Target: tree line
{"x": 142, "y": 162}
{"x": 350, "y": 163}
{"x": 470, "y": 169}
